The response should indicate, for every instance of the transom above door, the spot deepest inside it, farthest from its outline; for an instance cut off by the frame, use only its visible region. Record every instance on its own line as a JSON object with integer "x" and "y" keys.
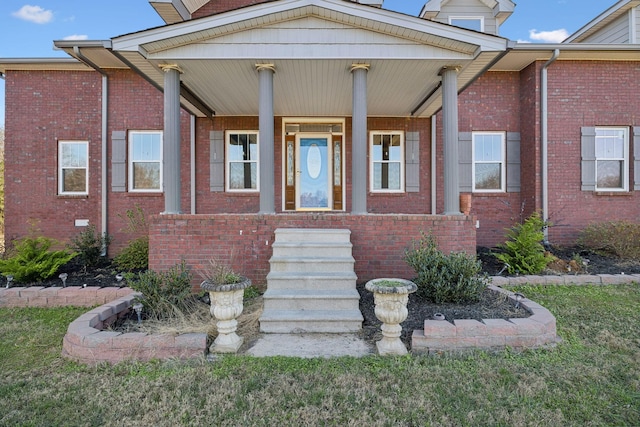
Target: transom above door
{"x": 314, "y": 167}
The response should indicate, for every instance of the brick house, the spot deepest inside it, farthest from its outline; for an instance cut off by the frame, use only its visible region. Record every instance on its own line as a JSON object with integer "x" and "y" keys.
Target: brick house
{"x": 239, "y": 117}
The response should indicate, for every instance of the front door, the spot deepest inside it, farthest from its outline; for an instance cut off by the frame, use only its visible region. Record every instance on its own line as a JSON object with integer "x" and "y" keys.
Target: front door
{"x": 314, "y": 172}
{"x": 313, "y": 168}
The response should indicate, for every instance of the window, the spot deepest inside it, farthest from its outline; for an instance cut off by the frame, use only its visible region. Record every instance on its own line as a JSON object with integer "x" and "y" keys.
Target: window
{"x": 387, "y": 161}
{"x": 488, "y": 161}
{"x": 475, "y": 23}
{"x": 73, "y": 167}
{"x": 145, "y": 161}
{"x": 242, "y": 161}
{"x": 612, "y": 152}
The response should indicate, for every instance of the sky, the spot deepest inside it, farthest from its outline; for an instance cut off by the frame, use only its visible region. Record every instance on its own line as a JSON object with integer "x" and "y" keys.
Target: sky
{"x": 29, "y": 27}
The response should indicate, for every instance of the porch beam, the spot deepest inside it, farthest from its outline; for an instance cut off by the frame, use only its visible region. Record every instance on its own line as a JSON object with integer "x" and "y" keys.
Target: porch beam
{"x": 450, "y": 136}
{"x": 359, "y": 140}
{"x": 171, "y": 139}
{"x": 265, "y": 134}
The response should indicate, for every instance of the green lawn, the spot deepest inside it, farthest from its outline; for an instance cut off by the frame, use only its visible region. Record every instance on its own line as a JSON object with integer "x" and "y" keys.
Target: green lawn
{"x": 592, "y": 378}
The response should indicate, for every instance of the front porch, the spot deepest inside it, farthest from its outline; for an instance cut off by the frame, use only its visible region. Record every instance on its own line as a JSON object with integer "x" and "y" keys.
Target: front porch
{"x": 244, "y": 240}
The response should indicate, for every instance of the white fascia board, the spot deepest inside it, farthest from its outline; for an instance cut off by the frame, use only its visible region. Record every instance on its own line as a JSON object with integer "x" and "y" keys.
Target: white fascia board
{"x": 575, "y": 47}
{"x": 131, "y": 42}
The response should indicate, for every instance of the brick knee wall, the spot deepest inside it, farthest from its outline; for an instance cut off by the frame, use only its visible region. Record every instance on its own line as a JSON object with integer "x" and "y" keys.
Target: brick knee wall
{"x": 537, "y": 330}
{"x": 38, "y": 296}
{"x": 87, "y": 342}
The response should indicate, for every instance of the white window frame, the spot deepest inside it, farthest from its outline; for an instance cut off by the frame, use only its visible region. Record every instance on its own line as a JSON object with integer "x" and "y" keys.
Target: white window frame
{"x": 62, "y": 168}
{"x": 467, "y": 18}
{"x": 131, "y": 162}
{"x": 227, "y": 162}
{"x": 372, "y": 162}
{"x": 625, "y": 159}
{"x": 503, "y": 163}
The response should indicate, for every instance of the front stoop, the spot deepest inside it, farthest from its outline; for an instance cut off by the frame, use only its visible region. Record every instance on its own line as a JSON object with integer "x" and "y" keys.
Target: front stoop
{"x": 312, "y": 284}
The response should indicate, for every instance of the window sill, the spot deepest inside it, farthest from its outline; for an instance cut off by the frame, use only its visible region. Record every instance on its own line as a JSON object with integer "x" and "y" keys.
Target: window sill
{"x": 72, "y": 196}
{"x": 390, "y": 193}
{"x": 242, "y": 193}
{"x": 143, "y": 194}
{"x": 614, "y": 193}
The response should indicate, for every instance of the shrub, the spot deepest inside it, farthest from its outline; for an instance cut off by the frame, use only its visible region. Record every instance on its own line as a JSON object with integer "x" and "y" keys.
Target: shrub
{"x": 163, "y": 293}
{"x": 32, "y": 261}
{"x": 620, "y": 238}
{"x": 135, "y": 256}
{"x": 523, "y": 252}
{"x": 89, "y": 245}
{"x": 455, "y": 278}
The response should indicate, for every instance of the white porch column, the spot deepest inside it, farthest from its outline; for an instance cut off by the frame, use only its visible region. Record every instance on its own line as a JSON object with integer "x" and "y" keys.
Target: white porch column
{"x": 171, "y": 139}
{"x": 359, "y": 140}
{"x": 450, "y": 133}
{"x": 267, "y": 180}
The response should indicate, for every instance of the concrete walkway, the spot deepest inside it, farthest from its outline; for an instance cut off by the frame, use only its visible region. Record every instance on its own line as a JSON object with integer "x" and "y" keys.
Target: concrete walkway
{"x": 310, "y": 345}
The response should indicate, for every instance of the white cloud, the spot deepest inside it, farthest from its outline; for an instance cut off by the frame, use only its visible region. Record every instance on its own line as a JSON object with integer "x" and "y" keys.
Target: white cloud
{"x": 34, "y": 14}
{"x": 76, "y": 37}
{"x": 555, "y": 36}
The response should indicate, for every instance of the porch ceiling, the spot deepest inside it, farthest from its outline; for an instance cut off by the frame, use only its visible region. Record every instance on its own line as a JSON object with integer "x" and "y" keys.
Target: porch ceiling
{"x": 312, "y": 44}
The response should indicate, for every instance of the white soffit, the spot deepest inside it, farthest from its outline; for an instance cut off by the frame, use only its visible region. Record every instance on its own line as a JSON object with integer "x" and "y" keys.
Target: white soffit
{"x": 523, "y": 55}
{"x": 42, "y": 64}
{"x": 312, "y": 44}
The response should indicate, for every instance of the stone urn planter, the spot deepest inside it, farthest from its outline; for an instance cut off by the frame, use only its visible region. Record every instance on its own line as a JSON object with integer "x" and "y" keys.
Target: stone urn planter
{"x": 226, "y": 306}
{"x": 391, "y": 297}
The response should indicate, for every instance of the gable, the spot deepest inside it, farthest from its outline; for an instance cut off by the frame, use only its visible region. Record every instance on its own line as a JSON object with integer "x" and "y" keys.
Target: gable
{"x": 311, "y": 37}
{"x": 493, "y": 12}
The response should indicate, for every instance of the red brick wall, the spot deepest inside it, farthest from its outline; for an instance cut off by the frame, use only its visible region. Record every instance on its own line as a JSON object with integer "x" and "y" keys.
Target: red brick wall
{"x": 378, "y": 241}
{"x": 218, "y": 6}
{"x": 410, "y": 203}
{"x": 42, "y": 108}
{"x": 228, "y": 202}
{"x": 530, "y": 136}
{"x": 489, "y": 104}
{"x": 587, "y": 94}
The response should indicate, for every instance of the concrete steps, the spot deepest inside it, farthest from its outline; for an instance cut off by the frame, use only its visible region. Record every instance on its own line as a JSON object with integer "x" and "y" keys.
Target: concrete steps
{"x": 312, "y": 284}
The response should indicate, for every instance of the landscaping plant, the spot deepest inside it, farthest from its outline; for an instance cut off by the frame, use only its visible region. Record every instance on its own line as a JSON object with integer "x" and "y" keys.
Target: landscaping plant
{"x": 90, "y": 245}
{"x": 32, "y": 260}
{"x": 135, "y": 256}
{"x": 619, "y": 238}
{"x": 163, "y": 293}
{"x": 455, "y": 278}
{"x": 523, "y": 252}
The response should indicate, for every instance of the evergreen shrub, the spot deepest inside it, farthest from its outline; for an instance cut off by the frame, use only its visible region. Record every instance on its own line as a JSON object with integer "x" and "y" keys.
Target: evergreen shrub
{"x": 89, "y": 245}
{"x": 31, "y": 260}
{"x": 523, "y": 251}
{"x": 454, "y": 278}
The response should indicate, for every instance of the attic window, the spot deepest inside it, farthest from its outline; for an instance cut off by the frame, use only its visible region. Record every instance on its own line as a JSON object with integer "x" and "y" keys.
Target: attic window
{"x": 475, "y": 23}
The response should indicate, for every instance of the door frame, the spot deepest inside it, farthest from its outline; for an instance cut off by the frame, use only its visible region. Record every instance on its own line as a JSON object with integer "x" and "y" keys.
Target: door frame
{"x": 293, "y": 129}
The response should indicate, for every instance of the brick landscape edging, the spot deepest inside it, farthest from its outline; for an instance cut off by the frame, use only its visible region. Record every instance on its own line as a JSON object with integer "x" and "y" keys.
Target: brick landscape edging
{"x": 87, "y": 342}
{"x": 39, "y": 296}
{"x": 537, "y": 330}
